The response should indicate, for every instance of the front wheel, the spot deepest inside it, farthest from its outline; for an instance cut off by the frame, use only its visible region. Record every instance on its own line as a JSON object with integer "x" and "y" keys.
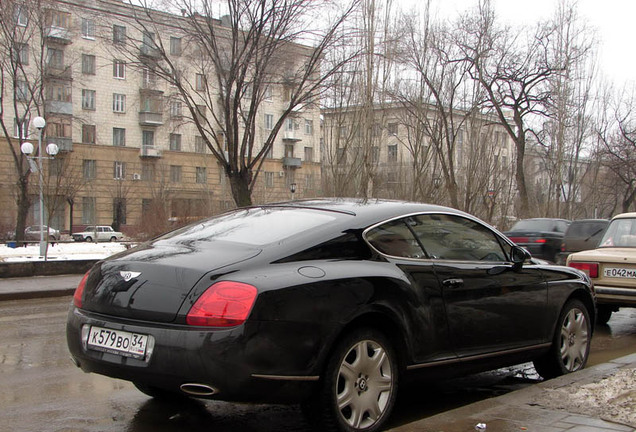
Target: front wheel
{"x": 88, "y": 239}
{"x": 358, "y": 390}
{"x": 570, "y": 344}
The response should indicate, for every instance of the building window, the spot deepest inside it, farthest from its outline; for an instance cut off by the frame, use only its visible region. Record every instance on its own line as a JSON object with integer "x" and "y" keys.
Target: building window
{"x": 55, "y": 58}
{"x": 289, "y": 150}
{"x": 267, "y": 95}
{"x": 148, "y": 172}
{"x": 309, "y": 154}
{"x": 88, "y": 99}
{"x": 119, "y": 103}
{"x": 88, "y": 29}
{"x": 89, "y": 169}
{"x": 88, "y": 210}
{"x": 269, "y": 121}
{"x": 175, "y": 142}
{"x": 375, "y": 154}
{"x": 56, "y": 167}
{"x": 148, "y": 138}
{"x": 119, "y": 69}
{"x": 119, "y": 170}
{"x": 309, "y": 127}
{"x": 59, "y": 128}
{"x": 201, "y": 112}
{"x": 150, "y": 104}
{"x": 22, "y": 90}
{"x": 290, "y": 125}
{"x": 119, "y": 137}
{"x": 88, "y": 134}
{"x": 392, "y": 129}
{"x": 176, "y": 109}
{"x": 88, "y": 64}
{"x": 392, "y": 153}
{"x": 200, "y": 82}
{"x": 175, "y": 46}
{"x": 20, "y": 129}
{"x": 119, "y": 34}
{"x": 202, "y": 175}
{"x": 20, "y": 15}
{"x": 175, "y": 174}
{"x": 58, "y": 92}
{"x": 58, "y": 19}
{"x": 22, "y": 53}
{"x": 310, "y": 182}
{"x": 269, "y": 179}
{"x": 199, "y": 145}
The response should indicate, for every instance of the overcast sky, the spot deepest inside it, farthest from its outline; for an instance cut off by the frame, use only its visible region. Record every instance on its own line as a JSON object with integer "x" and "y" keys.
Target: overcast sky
{"x": 614, "y": 21}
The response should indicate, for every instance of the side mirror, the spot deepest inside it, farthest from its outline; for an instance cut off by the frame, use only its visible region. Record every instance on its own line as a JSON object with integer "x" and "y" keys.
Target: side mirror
{"x": 519, "y": 255}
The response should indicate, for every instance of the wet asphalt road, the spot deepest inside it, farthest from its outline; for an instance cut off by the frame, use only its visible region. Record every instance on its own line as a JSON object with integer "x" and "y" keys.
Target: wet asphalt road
{"x": 43, "y": 391}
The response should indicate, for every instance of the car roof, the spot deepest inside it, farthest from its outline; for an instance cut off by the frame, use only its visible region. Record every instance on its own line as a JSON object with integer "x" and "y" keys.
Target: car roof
{"x": 367, "y": 210}
{"x": 625, "y": 216}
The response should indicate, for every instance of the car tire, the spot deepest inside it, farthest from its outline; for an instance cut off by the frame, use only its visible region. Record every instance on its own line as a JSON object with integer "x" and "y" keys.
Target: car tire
{"x": 52, "y": 238}
{"x": 113, "y": 239}
{"x": 604, "y": 313}
{"x": 88, "y": 239}
{"x": 570, "y": 344}
{"x": 159, "y": 393}
{"x": 359, "y": 386}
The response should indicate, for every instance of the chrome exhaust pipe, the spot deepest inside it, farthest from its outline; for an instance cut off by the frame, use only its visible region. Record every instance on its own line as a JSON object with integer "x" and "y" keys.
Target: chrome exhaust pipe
{"x": 197, "y": 389}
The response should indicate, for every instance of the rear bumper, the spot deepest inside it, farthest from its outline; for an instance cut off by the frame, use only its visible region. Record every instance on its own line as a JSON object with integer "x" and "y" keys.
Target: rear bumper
{"x": 228, "y": 360}
{"x": 615, "y": 295}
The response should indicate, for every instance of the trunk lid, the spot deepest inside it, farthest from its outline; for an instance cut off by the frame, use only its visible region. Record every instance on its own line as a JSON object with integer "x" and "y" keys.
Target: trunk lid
{"x": 151, "y": 282}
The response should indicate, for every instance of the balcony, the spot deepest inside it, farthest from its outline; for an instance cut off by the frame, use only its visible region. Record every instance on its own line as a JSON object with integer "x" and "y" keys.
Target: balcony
{"x": 150, "y": 118}
{"x": 64, "y": 73}
{"x": 149, "y": 152}
{"x": 58, "y": 107}
{"x": 59, "y": 35}
{"x": 291, "y": 136}
{"x": 149, "y": 51}
{"x": 64, "y": 144}
{"x": 291, "y": 162}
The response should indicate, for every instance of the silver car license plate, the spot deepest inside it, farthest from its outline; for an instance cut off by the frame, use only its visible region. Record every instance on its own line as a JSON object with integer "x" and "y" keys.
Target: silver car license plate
{"x": 118, "y": 342}
{"x": 614, "y": 272}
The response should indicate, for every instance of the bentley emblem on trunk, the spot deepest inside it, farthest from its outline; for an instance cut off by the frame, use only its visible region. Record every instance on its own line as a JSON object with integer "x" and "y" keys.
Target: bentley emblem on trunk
{"x": 128, "y": 275}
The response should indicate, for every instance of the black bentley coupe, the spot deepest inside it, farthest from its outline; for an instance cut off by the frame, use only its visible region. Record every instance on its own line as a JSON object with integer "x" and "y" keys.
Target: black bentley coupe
{"x": 327, "y": 303}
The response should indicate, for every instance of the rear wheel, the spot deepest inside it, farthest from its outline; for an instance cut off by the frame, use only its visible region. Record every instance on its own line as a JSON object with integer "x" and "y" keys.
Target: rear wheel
{"x": 359, "y": 387}
{"x": 570, "y": 344}
{"x": 89, "y": 239}
{"x": 112, "y": 239}
{"x": 604, "y": 313}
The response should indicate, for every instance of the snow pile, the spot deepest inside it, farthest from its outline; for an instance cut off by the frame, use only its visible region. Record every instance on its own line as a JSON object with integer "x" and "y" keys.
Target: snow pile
{"x": 61, "y": 251}
{"x": 612, "y": 399}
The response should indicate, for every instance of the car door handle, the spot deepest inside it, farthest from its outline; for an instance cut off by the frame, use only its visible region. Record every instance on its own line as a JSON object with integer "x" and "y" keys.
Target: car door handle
{"x": 453, "y": 283}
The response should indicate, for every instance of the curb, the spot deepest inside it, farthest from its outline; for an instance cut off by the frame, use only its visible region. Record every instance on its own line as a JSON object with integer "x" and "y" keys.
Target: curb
{"x": 36, "y": 294}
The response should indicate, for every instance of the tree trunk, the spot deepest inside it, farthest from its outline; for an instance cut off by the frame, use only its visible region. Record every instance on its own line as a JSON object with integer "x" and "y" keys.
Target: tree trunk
{"x": 240, "y": 185}
{"x": 24, "y": 203}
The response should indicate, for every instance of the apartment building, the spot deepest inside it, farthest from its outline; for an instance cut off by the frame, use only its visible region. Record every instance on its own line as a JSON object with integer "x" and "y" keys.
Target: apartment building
{"x": 130, "y": 153}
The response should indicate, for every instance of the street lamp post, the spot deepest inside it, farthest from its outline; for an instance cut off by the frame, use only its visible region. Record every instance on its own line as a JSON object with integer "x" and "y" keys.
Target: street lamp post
{"x": 51, "y": 149}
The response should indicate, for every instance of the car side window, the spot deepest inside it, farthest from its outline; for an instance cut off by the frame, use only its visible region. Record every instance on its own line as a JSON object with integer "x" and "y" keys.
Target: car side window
{"x": 396, "y": 239}
{"x": 450, "y": 237}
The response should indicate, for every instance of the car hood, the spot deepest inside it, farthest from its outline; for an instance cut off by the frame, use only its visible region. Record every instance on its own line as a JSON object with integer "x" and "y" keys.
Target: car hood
{"x": 618, "y": 255}
{"x": 150, "y": 282}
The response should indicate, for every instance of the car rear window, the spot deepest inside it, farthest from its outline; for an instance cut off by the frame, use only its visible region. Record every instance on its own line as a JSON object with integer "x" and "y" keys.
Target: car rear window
{"x": 255, "y": 226}
{"x": 620, "y": 233}
{"x": 538, "y": 225}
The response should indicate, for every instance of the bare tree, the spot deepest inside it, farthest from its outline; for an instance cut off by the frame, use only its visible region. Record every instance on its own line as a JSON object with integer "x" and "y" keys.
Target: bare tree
{"x": 514, "y": 67}
{"x": 21, "y": 88}
{"x": 239, "y": 61}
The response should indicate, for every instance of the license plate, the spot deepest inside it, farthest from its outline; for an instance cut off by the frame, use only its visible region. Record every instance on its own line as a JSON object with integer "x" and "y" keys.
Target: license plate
{"x": 118, "y": 342}
{"x": 619, "y": 273}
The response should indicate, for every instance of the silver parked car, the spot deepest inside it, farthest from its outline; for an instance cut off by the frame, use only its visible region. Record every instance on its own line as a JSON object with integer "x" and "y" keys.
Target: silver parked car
{"x": 33, "y": 233}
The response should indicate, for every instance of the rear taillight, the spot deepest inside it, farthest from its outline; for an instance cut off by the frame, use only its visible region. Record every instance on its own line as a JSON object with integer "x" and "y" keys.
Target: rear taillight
{"x": 540, "y": 240}
{"x": 79, "y": 291}
{"x": 591, "y": 269}
{"x": 224, "y": 304}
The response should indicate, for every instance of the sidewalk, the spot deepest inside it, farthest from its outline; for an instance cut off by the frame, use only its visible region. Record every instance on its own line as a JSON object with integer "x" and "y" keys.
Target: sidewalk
{"x": 522, "y": 410}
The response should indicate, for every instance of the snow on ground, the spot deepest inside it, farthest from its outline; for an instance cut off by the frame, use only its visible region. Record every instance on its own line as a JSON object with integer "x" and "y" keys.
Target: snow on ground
{"x": 61, "y": 251}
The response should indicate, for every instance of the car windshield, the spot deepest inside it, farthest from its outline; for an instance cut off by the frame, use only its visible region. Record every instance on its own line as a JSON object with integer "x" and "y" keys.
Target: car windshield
{"x": 534, "y": 225}
{"x": 620, "y": 233}
{"x": 257, "y": 226}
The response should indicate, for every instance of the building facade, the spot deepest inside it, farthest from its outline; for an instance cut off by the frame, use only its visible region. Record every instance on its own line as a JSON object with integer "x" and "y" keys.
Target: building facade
{"x": 129, "y": 153}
